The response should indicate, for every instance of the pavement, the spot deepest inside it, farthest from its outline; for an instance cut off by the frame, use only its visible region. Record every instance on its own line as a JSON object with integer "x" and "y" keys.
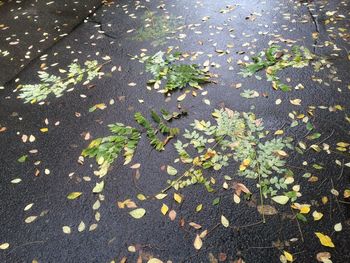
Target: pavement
{"x": 40, "y": 224}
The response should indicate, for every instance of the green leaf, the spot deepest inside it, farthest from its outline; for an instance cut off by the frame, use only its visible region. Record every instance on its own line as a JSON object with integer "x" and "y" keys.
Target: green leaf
{"x": 216, "y": 201}
{"x": 23, "y": 158}
{"x": 301, "y": 217}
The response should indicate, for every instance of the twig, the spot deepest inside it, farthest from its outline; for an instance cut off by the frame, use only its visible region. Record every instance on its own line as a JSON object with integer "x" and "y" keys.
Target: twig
{"x": 342, "y": 170}
{"x": 301, "y": 233}
{"x": 185, "y": 173}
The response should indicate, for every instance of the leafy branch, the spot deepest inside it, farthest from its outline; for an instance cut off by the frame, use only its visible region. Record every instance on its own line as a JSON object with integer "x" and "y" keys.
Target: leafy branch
{"x": 57, "y": 85}
{"x": 105, "y": 150}
{"x": 152, "y": 132}
{"x": 177, "y": 76}
{"x": 274, "y": 60}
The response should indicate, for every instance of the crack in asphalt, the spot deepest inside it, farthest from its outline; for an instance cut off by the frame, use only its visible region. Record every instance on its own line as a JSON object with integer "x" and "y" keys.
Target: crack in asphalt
{"x": 315, "y": 22}
{"x": 102, "y": 31}
{"x": 96, "y": 8}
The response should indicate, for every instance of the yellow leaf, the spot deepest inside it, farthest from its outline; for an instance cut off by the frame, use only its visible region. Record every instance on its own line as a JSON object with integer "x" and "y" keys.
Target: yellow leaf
{"x": 73, "y": 195}
{"x": 164, "y": 209}
{"x": 141, "y": 197}
{"x": 304, "y": 209}
{"x": 324, "y": 239}
{"x": 199, "y": 207}
{"x": 317, "y": 215}
{"x": 288, "y": 256}
{"x": 296, "y": 102}
{"x": 100, "y": 106}
{"x": 44, "y": 129}
{"x": 279, "y": 132}
{"x": 177, "y": 198}
{"x": 154, "y": 260}
{"x": 198, "y": 243}
{"x": 182, "y": 97}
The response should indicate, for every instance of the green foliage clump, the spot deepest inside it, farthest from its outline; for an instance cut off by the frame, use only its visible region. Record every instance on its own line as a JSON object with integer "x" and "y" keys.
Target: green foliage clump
{"x": 105, "y": 150}
{"x": 176, "y": 76}
{"x": 57, "y": 85}
{"x": 274, "y": 60}
{"x": 236, "y": 137}
{"x": 157, "y": 28}
{"x": 152, "y": 132}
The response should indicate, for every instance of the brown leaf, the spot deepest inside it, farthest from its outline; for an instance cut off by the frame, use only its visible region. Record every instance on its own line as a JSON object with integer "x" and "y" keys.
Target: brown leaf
{"x": 172, "y": 215}
{"x": 267, "y": 210}
{"x": 321, "y": 256}
{"x": 239, "y": 187}
{"x": 195, "y": 225}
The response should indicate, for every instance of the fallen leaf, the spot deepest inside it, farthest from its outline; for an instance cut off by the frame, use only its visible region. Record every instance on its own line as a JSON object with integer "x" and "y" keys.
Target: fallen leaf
{"x": 224, "y": 221}
{"x": 280, "y": 199}
{"x": 324, "y": 239}
{"x": 288, "y": 256}
{"x": 4, "y": 246}
{"x": 172, "y": 215}
{"x": 182, "y": 97}
{"x": 296, "y": 102}
{"x": 16, "y": 181}
{"x": 30, "y": 219}
{"x": 177, "y": 198}
{"x": 198, "y": 243}
{"x": 138, "y": 213}
{"x": 323, "y": 257}
{"x": 267, "y": 210}
{"x": 171, "y": 170}
{"x": 164, "y": 209}
{"x": 154, "y": 260}
{"x": 338, "y": 227}
{"x": 74, "y": 195}
{"x": 81, "y": 227}
{"x": 317, "y": 215}
{"x": 98, "y": 187}
{"x": 66, "y": 229}
{"x": 160, "y": 196}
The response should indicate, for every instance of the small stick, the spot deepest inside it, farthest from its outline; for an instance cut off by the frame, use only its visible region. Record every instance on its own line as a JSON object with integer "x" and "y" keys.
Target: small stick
{"x": 301, "y": 233}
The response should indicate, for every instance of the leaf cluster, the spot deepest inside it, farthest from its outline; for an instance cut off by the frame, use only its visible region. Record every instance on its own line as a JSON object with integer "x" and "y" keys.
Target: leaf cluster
{"x": 235, "y": 137}
{"x": 157, "y": 28}
{"x": 169, "y": 132}
{"x": 274, "y": 60}
{"x": 57, "y": 85}
{"x": 176, "y": 76}
{"x": 105, "y": 150}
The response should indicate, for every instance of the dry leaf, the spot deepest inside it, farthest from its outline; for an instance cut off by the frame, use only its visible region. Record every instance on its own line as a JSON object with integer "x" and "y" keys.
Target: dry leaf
{"x": 198, "y": 243}
{"x": 224, "y": 221}
{"x": 172, "y": 215}
{"x": 267, "y": 210}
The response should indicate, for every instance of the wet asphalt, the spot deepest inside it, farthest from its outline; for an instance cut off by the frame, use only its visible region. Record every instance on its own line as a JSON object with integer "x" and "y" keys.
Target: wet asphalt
{"x": 249, "y": 27}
